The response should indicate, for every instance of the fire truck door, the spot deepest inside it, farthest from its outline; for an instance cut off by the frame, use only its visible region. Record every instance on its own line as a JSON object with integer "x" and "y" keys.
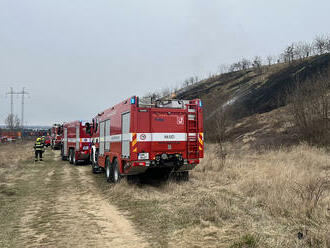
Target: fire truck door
{"x": 102, "y": 138}
{"x": 77, "y": 138}
{"x": 65, "y": 142}
{"x": 125, "y": 137}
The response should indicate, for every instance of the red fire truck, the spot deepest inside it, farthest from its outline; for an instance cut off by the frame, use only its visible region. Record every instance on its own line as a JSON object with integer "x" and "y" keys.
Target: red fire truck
{"x": 56, "y": 134}
{"x": 137, "y": 136}
{"x": 76, "y": 142}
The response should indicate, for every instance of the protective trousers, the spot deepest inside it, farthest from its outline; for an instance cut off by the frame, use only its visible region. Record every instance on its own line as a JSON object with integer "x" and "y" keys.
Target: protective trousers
{"x": 38, "y": 153}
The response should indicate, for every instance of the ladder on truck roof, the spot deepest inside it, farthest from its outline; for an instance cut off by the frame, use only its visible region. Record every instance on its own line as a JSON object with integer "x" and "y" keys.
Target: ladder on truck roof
{"x": 192, "y": 130}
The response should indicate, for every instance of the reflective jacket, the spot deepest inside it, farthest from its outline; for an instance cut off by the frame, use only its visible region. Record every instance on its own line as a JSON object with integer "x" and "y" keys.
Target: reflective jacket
{"x": 39, "y": 146}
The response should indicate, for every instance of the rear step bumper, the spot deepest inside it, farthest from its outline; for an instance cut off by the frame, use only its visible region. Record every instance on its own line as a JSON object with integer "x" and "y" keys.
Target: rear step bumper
{"x": 138, "y": 167}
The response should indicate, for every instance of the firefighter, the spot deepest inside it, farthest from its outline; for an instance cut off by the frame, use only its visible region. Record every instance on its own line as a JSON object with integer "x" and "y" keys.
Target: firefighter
{"x": 38, "y": 149}
{"x": 43, "y": 140}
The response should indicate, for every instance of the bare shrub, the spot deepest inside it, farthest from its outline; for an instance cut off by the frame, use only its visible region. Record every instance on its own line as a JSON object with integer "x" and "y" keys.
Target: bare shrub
{"x": 309, "y": 107}
{"x": 312, "y": 192}
{"x": 222, "y": 122}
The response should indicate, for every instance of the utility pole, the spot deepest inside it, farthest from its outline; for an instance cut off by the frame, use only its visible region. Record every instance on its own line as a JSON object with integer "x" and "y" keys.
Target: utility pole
{"x": 11, "y": 93}
{"x": 22, "y": 119}
{"x": 22, "y": 93}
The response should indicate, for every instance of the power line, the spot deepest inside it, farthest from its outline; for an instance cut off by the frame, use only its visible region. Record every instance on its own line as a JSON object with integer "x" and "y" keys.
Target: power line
{"x": 22, "y": 93}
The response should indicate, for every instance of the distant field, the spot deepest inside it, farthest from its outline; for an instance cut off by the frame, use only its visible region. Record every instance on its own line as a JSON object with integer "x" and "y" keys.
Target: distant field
{"x": 253, "y": 198}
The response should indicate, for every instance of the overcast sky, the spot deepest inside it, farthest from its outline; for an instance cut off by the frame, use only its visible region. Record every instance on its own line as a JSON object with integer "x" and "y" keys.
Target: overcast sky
{"x": 79, "y": 57}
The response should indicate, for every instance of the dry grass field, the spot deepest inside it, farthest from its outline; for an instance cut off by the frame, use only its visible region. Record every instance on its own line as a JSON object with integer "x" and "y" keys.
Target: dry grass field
{"x": 271, "y": 198}
{"x": 255, "y": 198}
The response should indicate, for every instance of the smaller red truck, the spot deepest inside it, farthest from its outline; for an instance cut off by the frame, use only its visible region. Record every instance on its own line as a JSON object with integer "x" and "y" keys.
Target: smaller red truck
{"x": 76, "y": 142}
{"x": 48, "y": 141}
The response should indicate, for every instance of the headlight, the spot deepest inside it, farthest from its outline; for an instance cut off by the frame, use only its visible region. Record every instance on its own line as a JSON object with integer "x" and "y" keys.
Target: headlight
{"x": 164, "y": 156}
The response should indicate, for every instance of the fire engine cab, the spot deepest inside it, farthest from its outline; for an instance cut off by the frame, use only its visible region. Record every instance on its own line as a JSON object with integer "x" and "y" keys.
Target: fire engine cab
{"x": 139, "y": 135}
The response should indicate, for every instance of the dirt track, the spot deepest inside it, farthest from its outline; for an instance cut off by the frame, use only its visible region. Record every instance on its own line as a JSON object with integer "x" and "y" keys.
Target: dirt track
{"x": 60, "y": 211}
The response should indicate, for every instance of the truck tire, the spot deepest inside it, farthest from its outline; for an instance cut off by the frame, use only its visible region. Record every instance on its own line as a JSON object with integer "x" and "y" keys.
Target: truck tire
{"x": 71, "y": 156}
{"x": 108, "y": 171}
{"x": 95, "y": 170}
{"x": 74, "y": 161}
{"x": 115, "y": 171}
{"x": 62, "y": 154}
{"x": 185, "y": 176}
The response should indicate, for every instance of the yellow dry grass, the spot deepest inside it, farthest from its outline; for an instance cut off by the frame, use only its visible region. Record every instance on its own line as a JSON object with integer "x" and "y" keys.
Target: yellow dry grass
{"x": 12, "y": 153}
{"x": 264, "y": 198}
{"x": 283, "y": 191}
{"x": 258, "y": 199}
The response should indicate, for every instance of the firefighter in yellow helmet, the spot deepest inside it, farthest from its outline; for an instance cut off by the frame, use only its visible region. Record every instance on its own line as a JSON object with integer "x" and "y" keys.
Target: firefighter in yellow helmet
{"x": 38, "y": 149}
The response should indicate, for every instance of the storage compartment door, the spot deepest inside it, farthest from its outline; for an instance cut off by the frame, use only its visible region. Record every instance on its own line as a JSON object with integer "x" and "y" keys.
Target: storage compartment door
{"x": 102, "y": 138}
{"x": 107, "y": 135}
{"x": 65, "y": 142}
{"x": 77, "y": 138}
{"x": 125, "y": 137}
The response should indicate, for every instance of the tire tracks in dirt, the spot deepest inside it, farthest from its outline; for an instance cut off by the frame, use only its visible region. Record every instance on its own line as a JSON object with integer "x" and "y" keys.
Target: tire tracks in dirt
{"x": 73, "y": 213}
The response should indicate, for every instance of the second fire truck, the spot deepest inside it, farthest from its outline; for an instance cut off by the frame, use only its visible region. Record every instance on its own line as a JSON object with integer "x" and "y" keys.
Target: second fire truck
{"x": 76, "y": 142}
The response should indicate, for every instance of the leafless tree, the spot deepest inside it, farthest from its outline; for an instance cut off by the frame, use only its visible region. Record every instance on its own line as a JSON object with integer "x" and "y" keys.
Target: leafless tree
{"x": 245, "y": 64}
{"x": 12, "y": 121}
{"x": 306, "y": 49}
{"x": 269, "y": 60}
{"x": 257, "y": 63}
{"x": 190, "y": 81}
{"x": 298, "y": 52}
{"x": 328, "y": 45}
{"x": 289, "y": 54}
{"x": 234, "y": 67}
{"x": 320, "y": 44}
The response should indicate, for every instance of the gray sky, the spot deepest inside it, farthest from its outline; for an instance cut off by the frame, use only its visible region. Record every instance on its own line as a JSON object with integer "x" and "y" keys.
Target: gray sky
{"x": 78, "y": 57}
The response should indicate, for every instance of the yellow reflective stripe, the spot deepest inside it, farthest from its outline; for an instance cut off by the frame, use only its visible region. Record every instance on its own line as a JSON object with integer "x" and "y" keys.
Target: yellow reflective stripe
{"x": 134, "y": 142}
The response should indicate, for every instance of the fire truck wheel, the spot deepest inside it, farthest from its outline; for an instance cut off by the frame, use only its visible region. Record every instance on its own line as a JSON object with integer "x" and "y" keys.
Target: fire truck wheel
{"x": 95, "y": 170}
{"x": 62, "y": 153}
{"x": 74, "y": 161}
{"x": 185, "y": 176}
{"x": 71, "y": 156}
{"x": 115, "y": 171}
{"x": 108, "y": 172}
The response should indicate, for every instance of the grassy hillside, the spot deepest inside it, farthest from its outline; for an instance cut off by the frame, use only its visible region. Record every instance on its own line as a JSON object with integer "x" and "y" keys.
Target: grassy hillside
{"x": 251, "y": 92}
